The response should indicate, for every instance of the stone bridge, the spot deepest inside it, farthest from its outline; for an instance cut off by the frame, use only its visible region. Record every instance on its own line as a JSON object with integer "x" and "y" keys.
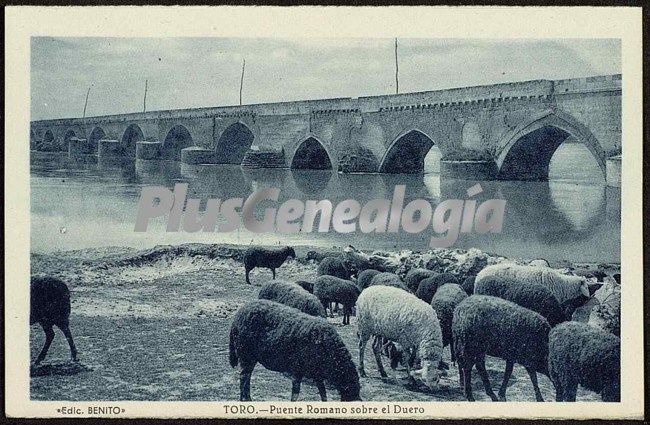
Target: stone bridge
{"x": 502, "y": 131}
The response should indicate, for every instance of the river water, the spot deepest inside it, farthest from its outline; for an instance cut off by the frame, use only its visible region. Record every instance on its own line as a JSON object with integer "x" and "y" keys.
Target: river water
{"x": 573, "y": 217}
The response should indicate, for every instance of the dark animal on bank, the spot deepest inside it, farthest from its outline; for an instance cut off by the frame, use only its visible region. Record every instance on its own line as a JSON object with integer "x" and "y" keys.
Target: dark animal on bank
{"x": 307, "y": 286}
{"x": 445, "y": 300}
{"x": 50, "y": 306}
{"x": 287, "y": 340}
{"x": 428, "y": 286}
{"x": 489, "y": 326}
{"x": 581, "y": 354}
{"x": 415, "y": 276}
{"x": 468, "y": 284}
{"x": 333, "y": 266}
{"x": 292, "y": 295}
{"x": 388, "y": 279}
{"x": 532, "y": 296}
{"x": 365, "y": 278}
{"x": 269, "y": 258}
{"x": 331, "y": 289}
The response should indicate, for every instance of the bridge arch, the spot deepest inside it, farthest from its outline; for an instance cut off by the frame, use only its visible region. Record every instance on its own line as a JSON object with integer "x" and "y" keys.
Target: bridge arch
{"x": 311, "y": 154}
{"x": 178, "y": 138}
{"x": 93, "y": 139}
{"x": 405, "y": 155}
{"x": 526, "y": 152}
{"x": 234, "y": 143}
{"x": 132, "y": 135}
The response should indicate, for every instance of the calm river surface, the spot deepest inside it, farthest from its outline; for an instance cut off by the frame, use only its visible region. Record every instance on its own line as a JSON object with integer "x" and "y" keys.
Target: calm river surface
{"x": 572, "y": 217}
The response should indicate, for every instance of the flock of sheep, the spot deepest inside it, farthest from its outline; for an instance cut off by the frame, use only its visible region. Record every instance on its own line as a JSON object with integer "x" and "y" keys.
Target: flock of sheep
{"x": 521, "y": 314}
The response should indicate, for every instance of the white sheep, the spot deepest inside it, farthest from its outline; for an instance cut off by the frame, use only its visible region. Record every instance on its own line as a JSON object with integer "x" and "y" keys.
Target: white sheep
{"x": 399, "y": 316}
{"x": 564, "y": 287}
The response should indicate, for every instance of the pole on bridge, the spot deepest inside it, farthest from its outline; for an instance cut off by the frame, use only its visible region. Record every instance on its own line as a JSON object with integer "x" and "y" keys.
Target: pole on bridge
{"x": 241, "y": 82}
{"x": 86, "y": 104}
{"x": 144, "y": 103}
{"x": 396, "y": 70}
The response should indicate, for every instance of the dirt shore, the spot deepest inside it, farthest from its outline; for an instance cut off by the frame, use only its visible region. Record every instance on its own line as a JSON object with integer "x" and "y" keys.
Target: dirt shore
{"x": 154, "y": 326}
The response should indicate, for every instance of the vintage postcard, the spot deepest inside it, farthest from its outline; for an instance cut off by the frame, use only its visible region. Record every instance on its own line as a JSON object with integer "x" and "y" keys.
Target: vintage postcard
{"x": 309, "y": 212}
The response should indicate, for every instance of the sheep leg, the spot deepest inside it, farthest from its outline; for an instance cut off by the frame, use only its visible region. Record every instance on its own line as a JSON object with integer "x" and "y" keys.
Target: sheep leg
{"x": 346, "y": 315}
{"x": 467, "y": 378}
{"x": 559, "y": 391}
{"x": 49, "y": 336}
{"x": 321, "y": 390}
{"x": 480, "y": 366}
{"x": 533, "y": 379}
{"x": 380, "y": 366}
{"x": 363, "y": 340}
{"x": 295, "y": 388}
{"x": 65, "y": 328}
{"x": 506, "y": 378}
{"x": 570, "y": 390}
{"x": 245, "y": 381}
{"x": 273, "y": 270}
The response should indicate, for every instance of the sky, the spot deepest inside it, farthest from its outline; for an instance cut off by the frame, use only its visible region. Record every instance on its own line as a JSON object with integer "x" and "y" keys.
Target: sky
{"x": 203, "y": 72}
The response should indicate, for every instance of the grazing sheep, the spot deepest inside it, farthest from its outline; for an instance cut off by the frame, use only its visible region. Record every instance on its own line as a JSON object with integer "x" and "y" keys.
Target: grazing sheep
{"x": 266, "y": 257}
{"x": 485, "y": 325}
{"x": 581, "y": 354}
{"x": 599, "y": 275}
{"x": 564, "y": 287}
{"x": 399, "y": 316}
{"x": 292, "y": 295}
{"x": 333, "y": 289}
{"x": 415, "y": 276}
{"x": 468, "y": 284}
{"x": 284, "y": 339}
{"x": 529, "y": 295}
{"x": 388, "y": 279}
{"x": 430, "y": 285}
{"x": 49, "y": 306}
{"x": 307, "y": 286}
{"x": 333, "y": 266}
{"x": 447, "y": 297}
{"x": 539, "y": 262}
{"x": 365, "y": 278}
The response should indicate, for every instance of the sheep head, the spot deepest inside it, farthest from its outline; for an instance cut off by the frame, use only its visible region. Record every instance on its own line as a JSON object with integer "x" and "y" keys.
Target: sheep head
{"x": 429, "y": 374}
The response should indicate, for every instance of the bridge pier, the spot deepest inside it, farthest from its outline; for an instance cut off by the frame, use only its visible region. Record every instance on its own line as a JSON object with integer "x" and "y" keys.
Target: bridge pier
{"x": 77, "y": 147}
{"x": 109, "y": 149}
{"x": 613, "y": 171}
{"x": 195, "y": 155}
{"x": 468, "y": 170}
{"x": 146, "y": 150}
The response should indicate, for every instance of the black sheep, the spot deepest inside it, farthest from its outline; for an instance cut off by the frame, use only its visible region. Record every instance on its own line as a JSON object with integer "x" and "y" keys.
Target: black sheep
{"x": 468, "y": 284}
{"x": 485, "y": 325}
{"x": 331, "y": 289}
{"x": 270, "y": 258}
{"x": 365, "y": 278}
{"x": 415, "y": 276}
{"x": 533, "y": 296}
{"x": 49, "y": 306}
{"x": 284, "y": 339}
{"x": 333, "y": 266}
{"x": 447, "y": 297}
{"x": 292, "y": 295}
{"x": 306, "y": 285}
{"x": 388, "y": 279}
{"x": 580, "y": 354}
{"x": 428, "y": 287}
